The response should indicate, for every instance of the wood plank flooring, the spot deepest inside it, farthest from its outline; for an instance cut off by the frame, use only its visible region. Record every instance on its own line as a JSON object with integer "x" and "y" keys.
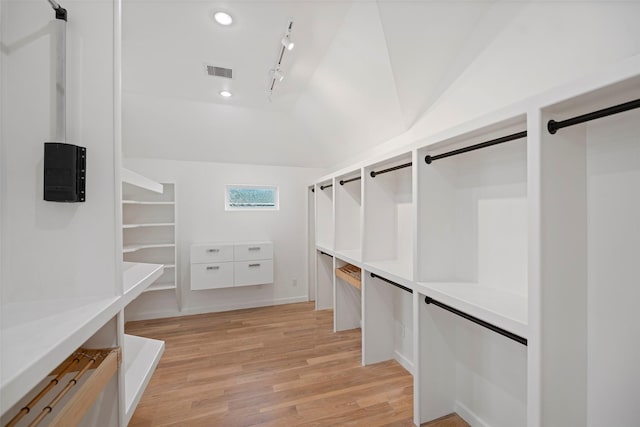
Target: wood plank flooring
{"x": 270, "y": 366}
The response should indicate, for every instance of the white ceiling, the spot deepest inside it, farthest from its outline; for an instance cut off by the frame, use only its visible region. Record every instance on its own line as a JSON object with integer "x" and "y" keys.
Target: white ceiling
{"x": 363, "y": 72}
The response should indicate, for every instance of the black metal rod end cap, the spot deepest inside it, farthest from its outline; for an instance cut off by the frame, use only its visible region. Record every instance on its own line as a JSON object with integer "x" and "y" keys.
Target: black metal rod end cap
{"x": 552, "y": 126}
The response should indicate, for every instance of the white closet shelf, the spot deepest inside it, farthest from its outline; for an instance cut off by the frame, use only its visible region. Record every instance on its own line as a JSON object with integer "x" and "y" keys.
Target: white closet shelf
{"x": 394, "y": 270}
{"x": 141, "y": 356}
{"x": 160, "y": 287}
{"x": 500, "y": 308}
{"x": 132, "y": 248}
{"x": 133, "y": 178}
{"x": 324, "y": 248}
{"x": 137, "y": 277}
{"x": 352, "y": 256}
{"x": 149, "y": 224}
{"x": 32, "y": 348}
{"x": 142, "y": 202}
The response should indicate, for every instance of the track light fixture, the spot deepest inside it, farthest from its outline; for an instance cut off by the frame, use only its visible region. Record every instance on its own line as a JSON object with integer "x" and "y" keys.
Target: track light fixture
{"x": 276, "y": 71}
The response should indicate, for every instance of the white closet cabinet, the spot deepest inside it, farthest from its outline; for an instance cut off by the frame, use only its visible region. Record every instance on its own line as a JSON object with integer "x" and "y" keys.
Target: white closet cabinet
{"x": 226, "y": 265}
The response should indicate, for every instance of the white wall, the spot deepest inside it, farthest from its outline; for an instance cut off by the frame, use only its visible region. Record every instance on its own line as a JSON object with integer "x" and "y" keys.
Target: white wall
{"x": 56, "y": 250}
{"x": 201, "y": 218}
{"x": 515, "y": 50}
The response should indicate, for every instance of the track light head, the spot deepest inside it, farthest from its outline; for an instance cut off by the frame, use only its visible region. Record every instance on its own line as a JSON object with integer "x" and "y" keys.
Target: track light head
{"x": 278, "y": 75}
{"x": 287, "y": 43}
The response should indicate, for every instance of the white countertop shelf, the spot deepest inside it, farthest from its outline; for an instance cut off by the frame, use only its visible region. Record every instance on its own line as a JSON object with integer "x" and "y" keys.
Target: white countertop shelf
{"x": 137, "y": 277}
{"x": 395, "y": 270}
{"x": 141, "y": 356}
{"x": 500, "y": 308}
{"x": 133, "y": 178}
{"x": 133, "y": 248}
{"x": 32, "y": 348}
{"x": 149, "y": 224}
{"x": 352, "y": 256}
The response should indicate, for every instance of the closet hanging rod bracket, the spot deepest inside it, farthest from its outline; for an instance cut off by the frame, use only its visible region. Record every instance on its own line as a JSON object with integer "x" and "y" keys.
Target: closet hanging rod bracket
{"x": 494, "y": 328}
{"x": 429, "y": 159}
{"x": 61, "y": 12}
{"x": 395, "y": 168}
{"x": 553, "y": 126}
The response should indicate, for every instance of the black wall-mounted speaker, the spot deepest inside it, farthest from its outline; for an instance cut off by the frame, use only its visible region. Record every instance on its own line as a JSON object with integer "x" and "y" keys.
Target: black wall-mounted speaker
{"x": 64, "y": 172}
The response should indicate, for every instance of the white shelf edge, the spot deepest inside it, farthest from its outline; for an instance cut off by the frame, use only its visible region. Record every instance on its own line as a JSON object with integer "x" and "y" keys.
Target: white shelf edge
{"x": 506, "y": 310}
{"x": 160, "y": 287}
{"x": 144, "y": 202}
{"x": 31, "y": 350}
{"x": 149, "y": 224}
{"x": 133, "y": 248}
{"x": 141, "y": 357}
{"x": 134, "y": 178}
{"x": 352, "y": 256}
{"x": 137, "y": 277}
{"x": 393, "y": 270}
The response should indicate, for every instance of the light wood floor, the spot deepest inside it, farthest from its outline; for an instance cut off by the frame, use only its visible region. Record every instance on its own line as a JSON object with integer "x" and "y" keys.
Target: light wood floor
{"x": 277, "y": 366}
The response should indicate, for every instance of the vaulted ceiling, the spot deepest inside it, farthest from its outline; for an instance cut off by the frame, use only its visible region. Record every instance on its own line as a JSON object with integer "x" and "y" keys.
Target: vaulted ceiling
{"x": 361, "y": 72}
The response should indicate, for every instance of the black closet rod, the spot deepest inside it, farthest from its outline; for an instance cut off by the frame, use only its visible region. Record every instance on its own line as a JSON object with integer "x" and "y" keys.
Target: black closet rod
{"x": 475, "y": 320}
{"x": 553, "y": 126}
{"x": 322, "y": 187}
{"x": 395, "y": 168}
{"x": 404, "y": 288}
{"x": 512, "y": 137}
{"x": 344, "y": 181}
{"x": 324, "y": 253}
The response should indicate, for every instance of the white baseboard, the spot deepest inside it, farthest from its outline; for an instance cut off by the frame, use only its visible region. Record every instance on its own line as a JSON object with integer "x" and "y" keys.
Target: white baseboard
{"x": 469, "y": 416}
{"x": 213, "y": 309}
{"x": 404, "y": 361}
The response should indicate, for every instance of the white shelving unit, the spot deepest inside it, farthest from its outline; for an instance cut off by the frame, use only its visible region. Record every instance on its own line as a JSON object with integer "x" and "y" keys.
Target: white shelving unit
{"x": 590, "y": 205}
{"x": 149, "y": 228}
{"x": 148, "y": 218}
{"x": 528, "y": 241}
{"x": 388, "y": 220}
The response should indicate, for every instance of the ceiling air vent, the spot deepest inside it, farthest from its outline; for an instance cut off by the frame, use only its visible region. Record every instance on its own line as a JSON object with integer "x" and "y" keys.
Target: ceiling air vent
{"x": 227, "y": 73}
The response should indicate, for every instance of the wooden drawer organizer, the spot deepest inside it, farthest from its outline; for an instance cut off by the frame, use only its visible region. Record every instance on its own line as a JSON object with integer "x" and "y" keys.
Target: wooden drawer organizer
{"x": 350, "y": 274}
{"x": 75, "y": 370}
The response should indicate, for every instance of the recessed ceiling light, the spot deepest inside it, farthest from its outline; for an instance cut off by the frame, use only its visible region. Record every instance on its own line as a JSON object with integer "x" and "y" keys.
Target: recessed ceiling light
{"x": 225, "y": 93}
{"x": 223, "y": 18}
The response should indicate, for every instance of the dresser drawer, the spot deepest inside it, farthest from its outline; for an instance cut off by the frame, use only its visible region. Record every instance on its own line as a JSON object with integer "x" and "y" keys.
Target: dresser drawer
{"x": 253, "y": 272}
{"x": 253, "y": 251}
{"x": 212, "y": 275}
{"x": 204, "y": 253}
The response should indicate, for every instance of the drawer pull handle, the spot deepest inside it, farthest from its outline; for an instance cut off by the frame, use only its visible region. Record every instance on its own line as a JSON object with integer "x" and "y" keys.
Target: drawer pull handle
{"x": 254, "y": 265}
{"x": 256, "y": 248}
{"x": 213, "y": 250}
{"x": 213, "y": 267}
